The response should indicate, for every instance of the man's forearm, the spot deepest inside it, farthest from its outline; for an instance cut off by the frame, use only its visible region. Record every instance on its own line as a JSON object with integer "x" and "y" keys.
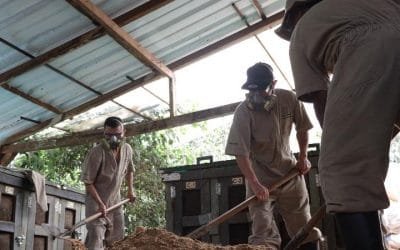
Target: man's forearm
{"x": 129, "y": 181}
{"x": 302, "y": 139}
{"x": 246, "y": 168}
{"x": 91, "y": 190}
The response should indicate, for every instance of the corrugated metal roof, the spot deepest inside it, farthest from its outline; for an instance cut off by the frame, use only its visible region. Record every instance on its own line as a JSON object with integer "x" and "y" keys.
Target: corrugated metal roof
{"x": 29, "y": 28}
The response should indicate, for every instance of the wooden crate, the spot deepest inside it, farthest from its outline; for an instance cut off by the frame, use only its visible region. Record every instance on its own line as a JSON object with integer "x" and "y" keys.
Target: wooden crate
{"x": 21, "y": 219}
{"x": 196, "y": 194}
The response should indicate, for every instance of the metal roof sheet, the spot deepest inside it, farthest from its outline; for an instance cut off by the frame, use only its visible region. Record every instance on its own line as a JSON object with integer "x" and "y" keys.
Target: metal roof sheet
{"x": 29, "y": 28}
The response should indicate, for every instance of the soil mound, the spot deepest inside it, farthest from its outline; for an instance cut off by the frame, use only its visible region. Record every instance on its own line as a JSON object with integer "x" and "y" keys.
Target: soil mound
{"x": 161, "y": 239}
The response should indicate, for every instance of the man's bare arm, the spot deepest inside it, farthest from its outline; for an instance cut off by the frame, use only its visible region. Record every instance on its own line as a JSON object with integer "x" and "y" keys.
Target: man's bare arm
{"x": 303, "y": 165}
{"x": 131, "y": 190}
{"x": 247, "y": 170}
{"x": 91, "y": 190}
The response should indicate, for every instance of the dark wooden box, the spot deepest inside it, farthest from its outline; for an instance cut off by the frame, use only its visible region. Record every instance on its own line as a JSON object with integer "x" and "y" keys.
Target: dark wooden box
{"x": 21, "y": 218}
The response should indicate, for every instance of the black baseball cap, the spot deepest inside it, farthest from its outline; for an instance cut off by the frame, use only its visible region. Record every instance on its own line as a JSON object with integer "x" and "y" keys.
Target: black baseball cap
{"x": 259, "y": 77}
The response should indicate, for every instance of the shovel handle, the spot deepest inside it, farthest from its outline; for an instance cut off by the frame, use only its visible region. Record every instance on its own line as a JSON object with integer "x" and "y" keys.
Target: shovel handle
{"x": 306, "y": 229}
{"x": 92, "y": 218}
{"x": 228, "y": 214}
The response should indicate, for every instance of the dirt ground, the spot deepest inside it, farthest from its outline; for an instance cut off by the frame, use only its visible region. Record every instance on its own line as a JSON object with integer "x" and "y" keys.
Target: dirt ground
{"x": 161, "y": 239}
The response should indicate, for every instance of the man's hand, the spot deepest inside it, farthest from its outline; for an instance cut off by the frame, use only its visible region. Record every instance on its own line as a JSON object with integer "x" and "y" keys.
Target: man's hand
{"x": 303, "y": 165}
{"x": 259, "y": 190}
{"x": 132, "y": 196}
{"x": 103, "y": 209}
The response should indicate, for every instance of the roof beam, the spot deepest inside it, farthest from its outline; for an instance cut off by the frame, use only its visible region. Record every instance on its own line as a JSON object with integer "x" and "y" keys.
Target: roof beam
{"x": 228, "y": 41}
{"x": 91, "y": 136}
{"x": 71, "y": 78}
{"x": 121, "y": 36}
{"x": 6, "y": 159}
{"x": 31, "y": 99}
{"x": 83, "y": 39}
{"x": 172, "y": 97}
{"x": 259, "y": 9}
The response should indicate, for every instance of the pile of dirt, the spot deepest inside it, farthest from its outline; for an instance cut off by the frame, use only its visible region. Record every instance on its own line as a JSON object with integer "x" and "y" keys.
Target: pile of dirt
{"x": 160, "y": 239}
{"x": 74, "y": 244}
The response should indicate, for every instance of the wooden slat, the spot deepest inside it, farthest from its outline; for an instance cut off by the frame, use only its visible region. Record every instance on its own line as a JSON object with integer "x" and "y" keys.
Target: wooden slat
{"x": 213, "y": 48}
{"x": 259, "y": 9}
{"x": 172, "y": 95}
{"x": 31, "y": 99}
{"x": 91, "y": 136}
{"x": 83, "y": 39}
{"x": 121, "y": 36}
{"x": 6, "y": 159}
{"x": 230, "y": 40}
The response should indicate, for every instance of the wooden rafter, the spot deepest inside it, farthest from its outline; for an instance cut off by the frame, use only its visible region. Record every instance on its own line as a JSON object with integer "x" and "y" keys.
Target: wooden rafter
{"x": 5, "y": 159}
{"x": 81, "y": 40}
{"x": 69, "y": 77}
{"x": 230, "y": 40}
{"x": 172, "y": 97}
{"x": 31, "y": 99}
{"x": 259, "y": 9}
{"x": 91, "y": 136}
{"x": 121, "y": 36}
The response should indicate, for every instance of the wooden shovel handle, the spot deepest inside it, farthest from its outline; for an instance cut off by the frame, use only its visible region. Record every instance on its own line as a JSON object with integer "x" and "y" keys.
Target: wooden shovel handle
{"x": 228, "y": 214}
{"x": 92, "y": 218}
{"x": 306, "y": 229}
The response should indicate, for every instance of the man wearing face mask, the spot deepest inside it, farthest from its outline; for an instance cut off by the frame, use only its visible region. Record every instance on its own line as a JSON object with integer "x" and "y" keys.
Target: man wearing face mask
{"x": 345, "y": 60}
{"x": 259, "y": 139}
{"x": 105, "y": 168}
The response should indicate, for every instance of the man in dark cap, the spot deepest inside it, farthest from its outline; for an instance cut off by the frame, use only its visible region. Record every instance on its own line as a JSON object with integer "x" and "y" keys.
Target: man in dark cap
{"x": 351, "y": 48}
{"x": 259, "y": 139}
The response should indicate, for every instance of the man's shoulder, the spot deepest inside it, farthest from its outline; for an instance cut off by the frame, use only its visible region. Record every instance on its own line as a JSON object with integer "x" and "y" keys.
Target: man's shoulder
{"x": 242, "y": 108}
{"x": 99, "y": 147}
{"x": 128, "y": 147}
{"x": 284, "y": 93}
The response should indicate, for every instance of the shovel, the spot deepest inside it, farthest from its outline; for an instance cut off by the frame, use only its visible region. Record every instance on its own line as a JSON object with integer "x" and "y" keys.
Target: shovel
{"x": 306, "y": 229}
{"x": 56, "y": 232}
{"x": 228, "y": 214}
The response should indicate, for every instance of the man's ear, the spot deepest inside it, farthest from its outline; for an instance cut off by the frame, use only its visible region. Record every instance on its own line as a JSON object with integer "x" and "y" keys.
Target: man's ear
{"x": 273, "y": 84}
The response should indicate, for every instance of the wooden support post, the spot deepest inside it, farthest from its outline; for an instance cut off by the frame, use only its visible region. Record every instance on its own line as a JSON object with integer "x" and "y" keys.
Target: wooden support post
{"x": 172, "y": 96}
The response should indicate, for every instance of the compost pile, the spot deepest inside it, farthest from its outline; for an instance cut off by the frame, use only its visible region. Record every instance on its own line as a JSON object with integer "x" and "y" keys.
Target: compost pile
{"x": 75, "y": 244}
{"x": 160, "y": 239}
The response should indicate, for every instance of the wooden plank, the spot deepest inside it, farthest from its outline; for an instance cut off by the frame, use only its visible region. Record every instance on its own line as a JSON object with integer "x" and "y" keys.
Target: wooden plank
{"x": 5, "y": 159}
{"x": 172, "y": 97}
{"x": 213, "y": 48}
{"x": 83, "y": 39}
{"x": 121, "y": 36}
{"x": 31, "y": 99}
{"x": 90, "y": 136}
{"x": 259, "y": 9}
{"x": 230, "y": 40}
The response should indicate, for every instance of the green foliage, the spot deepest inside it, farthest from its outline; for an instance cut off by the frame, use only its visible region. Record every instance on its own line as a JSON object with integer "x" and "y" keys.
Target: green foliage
{"x": 60, "y": 165}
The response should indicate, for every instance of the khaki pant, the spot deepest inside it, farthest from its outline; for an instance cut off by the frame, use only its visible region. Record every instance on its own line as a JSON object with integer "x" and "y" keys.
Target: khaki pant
{"x": 105, "y": 231}
{"x": 291, "y": 201}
